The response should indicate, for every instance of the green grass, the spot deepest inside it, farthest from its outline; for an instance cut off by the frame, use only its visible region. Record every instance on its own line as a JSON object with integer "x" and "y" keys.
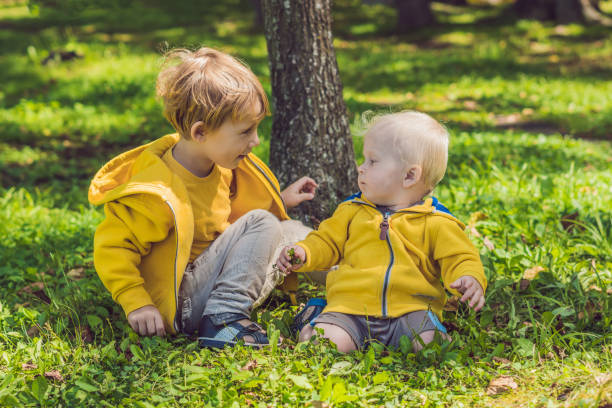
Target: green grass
{"x": 528, "y": 107}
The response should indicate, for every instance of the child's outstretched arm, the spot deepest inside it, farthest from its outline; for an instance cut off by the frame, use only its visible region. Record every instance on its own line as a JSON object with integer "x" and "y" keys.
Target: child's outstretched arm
{"x": 291, "y": 257}
{"x": 299, "y": 191}
{"x": 471, "y": 290}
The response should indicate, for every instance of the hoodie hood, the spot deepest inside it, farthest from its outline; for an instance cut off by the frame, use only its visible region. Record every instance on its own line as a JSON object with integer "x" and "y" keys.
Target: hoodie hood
{"x": 139, "y": 170}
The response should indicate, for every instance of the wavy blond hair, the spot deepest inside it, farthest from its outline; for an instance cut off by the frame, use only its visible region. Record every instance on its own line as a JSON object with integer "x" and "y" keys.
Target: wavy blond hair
{"x": 209, "y": 86}
{"x": 417, "y": 139}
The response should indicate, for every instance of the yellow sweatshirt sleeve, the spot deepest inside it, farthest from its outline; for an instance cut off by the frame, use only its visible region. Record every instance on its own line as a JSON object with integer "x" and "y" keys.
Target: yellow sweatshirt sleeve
{"x": 324, "y": 247}
{"x": 455, "y": 253}
{"x": 131, "y": 225}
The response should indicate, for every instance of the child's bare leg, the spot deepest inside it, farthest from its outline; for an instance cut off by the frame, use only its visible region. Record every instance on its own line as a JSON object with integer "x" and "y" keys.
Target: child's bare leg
{"x": 334, "y": 333}
{"x": 427, "y": 337}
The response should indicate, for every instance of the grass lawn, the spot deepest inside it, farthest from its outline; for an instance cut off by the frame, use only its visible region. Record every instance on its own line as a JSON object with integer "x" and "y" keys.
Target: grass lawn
{"x": 529, "y": 108}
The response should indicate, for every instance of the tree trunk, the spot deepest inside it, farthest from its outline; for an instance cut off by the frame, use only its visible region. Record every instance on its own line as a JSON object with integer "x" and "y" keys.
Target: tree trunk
{"x": 562, "y": 11}
{"x": 259, "y": 20}
{"x": 310, "y": 132}
{"x": 413, "y": 14}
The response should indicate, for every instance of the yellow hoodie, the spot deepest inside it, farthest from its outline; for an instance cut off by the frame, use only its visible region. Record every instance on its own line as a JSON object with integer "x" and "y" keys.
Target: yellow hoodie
{"x": 142, "y": 247}
{"x": 387, "y": 269}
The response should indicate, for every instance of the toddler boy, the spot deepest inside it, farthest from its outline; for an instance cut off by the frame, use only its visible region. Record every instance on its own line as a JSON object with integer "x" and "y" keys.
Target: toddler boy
{"x": 392, "y": 245}
{"x": 192, "y": 219}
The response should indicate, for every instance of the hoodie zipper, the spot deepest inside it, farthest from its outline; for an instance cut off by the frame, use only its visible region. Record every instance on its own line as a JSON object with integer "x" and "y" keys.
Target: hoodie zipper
{"x": 384, "y": 235}
{"x": 176, "y": 245}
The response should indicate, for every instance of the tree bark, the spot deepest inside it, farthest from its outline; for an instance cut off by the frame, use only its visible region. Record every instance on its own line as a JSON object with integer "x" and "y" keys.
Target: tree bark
{"x": 413, "y": 14}
{"x": 310, "y": 131}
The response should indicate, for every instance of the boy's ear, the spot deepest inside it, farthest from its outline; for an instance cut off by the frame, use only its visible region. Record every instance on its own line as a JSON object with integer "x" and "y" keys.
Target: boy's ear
{"x": 198, "y": 131}
{"x": 413, "y": 175}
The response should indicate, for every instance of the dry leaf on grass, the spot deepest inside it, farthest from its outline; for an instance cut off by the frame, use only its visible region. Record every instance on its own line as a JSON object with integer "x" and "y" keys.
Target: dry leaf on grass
{"x": 28, "y": 366}
{"x": 32, "y": 288}
{"x": 502, "y": 360}
{"x": 501, "y": 384}
{"x": 86, "y": 334}
{"x": 33, "y": 331}
{"x": 487, "y": 242}
{"x": 532, "y": 273}
{"x": 54, "y": 375}
{"x": 452, "y": 304}
{"x": 524, "y": 284}
{"x": 250, "y": 365}
{"x": 76, "y": 273}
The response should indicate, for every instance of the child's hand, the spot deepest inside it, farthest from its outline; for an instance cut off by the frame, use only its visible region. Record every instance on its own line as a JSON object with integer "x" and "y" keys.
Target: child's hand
{"x": 301, "y": 190}
{"x": 290, "y": 258}
{"x": 147, "y": 321}
{"x": 471, "y": 290}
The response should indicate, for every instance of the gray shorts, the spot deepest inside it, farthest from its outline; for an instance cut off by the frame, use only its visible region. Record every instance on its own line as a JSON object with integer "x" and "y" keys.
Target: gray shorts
{"x": 387, "y": 331}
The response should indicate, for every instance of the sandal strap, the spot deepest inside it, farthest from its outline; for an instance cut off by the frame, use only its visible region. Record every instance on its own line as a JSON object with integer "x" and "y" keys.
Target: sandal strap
{"x": 253, "y": 330}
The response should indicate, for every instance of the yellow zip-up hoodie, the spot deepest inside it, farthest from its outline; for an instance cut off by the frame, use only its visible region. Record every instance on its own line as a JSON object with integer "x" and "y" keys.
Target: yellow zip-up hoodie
{"x": 390, "y": 264}
{"x": 142, "y": 247}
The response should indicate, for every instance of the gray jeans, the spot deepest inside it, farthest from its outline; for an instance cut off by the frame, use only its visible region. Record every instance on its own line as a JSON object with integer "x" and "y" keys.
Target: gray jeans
{"x": 225, "y": 280}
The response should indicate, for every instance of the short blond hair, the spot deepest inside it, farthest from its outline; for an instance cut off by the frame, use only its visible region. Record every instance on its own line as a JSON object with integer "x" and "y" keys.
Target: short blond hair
{"x": 209, "y": 86}
{"x": 417, "y": 139}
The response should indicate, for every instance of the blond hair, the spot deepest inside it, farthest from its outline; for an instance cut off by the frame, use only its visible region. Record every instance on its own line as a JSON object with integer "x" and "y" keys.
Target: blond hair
{"x": 417, "y": 139}
{"x": 209, "y": 86}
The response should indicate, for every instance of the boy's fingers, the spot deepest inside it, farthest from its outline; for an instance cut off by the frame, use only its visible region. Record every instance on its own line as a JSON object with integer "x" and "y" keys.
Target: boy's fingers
{"x": 468, "y": 294}
{"x": 159, "y": 323}
{"x": 151, "y": 326}
{"x": 458, "y": 284}
{"x": 481, "y": 303}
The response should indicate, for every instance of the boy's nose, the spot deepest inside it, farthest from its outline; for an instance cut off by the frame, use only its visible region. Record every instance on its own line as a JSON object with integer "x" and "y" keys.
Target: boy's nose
{"x": 255, "y": 141}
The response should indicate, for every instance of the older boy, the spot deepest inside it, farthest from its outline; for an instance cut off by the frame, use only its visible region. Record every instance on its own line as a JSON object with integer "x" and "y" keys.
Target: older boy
{"x": 392, "y": 244}
{"x": 192, "y": 219}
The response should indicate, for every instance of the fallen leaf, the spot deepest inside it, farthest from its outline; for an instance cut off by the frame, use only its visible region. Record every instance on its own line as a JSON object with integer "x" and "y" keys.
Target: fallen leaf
{"x": 76, "y": 273}
{"x": 33, "y": 331}
{"x": 250, "y": 365}
{"x": 28, "y": 366}
{"x": 532, "y": 273}
{"x": 487, "y": 242}
{"x": 527, "y": 111}
{"x": 36, "y": 289}
{"x": 32, "y": 287}
{"x": 86, "y": 334}
{"x": 507, "y": 119}
{"x": 470, "y": 105}
{"x": 501, "y": 384}
{"x": 452, "y": 304}
{"x": 524, "y": 284}
{"x": 55, "y": 375}
{"x": 502, "y": 360}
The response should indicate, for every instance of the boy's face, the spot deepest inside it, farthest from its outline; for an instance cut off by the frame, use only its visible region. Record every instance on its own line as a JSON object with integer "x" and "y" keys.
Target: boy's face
{"x": 232, "y": 141}
{"x": 381, "y": 174}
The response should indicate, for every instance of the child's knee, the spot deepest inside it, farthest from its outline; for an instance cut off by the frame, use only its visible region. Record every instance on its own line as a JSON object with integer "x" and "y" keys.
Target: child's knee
{"x": 338, "y": 336}
{"x": 427, "y": 337}
{"x": 306, "y": 333}
{"x": 265, "y": 219}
